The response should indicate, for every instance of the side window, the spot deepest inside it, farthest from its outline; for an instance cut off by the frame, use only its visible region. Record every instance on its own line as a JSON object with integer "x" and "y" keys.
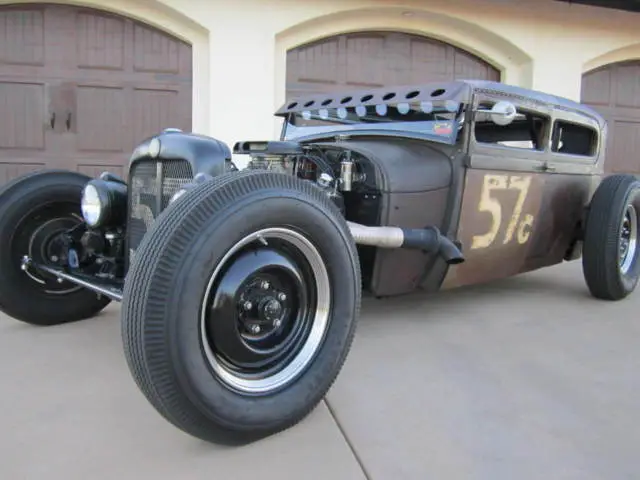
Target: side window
{"x": 527, "y": 131}
{"x": 572, "y": 139}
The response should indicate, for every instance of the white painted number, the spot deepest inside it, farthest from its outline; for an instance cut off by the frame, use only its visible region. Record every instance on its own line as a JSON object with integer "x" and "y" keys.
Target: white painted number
{"x": 517, "y": 226}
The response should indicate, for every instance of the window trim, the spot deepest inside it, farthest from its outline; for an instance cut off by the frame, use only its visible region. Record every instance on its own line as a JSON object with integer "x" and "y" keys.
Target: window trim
{"x": 545, "y": 137}
{"x": 574, "y": 157}
{"x": 498, "y": 157}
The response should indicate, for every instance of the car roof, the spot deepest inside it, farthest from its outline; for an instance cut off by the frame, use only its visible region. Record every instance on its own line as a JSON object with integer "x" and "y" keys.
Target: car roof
{"x": 487, "y": 86}
{"x": 456, "y": 90}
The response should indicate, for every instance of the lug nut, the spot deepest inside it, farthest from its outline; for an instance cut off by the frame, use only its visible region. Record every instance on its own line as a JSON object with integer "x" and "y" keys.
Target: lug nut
{"x": 54, "y": 258}
{"x": 247, "y": 306}
{"x": 282, "y": 297}
{"x": 277, "y": 322}
{"x": 255, "y": 329}
{"x": 265, "y": 285}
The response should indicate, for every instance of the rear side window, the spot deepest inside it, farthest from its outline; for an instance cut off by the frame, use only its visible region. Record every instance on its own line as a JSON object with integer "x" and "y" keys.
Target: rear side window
{"x": 573, "y": 139}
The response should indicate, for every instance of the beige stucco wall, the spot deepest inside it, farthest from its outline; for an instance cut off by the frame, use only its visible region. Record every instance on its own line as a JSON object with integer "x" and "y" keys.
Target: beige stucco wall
{"x": 240, "y": 47}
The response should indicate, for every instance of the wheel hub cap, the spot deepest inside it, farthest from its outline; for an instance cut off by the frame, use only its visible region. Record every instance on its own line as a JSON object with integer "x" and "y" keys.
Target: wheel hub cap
{"x": 628, "y": 239}
{"x": 265, "y": 311}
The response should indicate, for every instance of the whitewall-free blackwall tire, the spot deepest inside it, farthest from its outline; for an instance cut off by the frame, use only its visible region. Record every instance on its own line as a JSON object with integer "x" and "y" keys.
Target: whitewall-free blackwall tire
{"x": 241, "y": 305}
{"x": 611, "y": 252}
{"x": 35, "y": 210}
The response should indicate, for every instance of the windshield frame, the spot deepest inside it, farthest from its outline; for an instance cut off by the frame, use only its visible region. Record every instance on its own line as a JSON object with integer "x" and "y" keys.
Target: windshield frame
{"x": 345, "y": 122}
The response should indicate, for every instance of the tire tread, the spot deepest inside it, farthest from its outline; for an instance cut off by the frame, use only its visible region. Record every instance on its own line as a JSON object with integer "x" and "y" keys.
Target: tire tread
{"x": 23, "y": 306}
{"x": 599, "y": 260}
{"x": 145, "y": 343}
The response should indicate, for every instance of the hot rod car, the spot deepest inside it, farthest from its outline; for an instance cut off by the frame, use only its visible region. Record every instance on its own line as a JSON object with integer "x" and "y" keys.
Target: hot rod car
{"x": 241, "y": 288}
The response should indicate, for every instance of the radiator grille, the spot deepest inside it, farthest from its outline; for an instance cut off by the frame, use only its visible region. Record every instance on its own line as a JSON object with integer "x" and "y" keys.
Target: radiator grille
{"x": 151, "y": 186}
{"x": 175, "y": 174}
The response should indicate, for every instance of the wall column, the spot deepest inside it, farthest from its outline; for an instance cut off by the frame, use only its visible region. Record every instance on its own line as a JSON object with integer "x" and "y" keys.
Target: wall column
{"x": 241, "y": 82}
{"x": 558, "y": 74}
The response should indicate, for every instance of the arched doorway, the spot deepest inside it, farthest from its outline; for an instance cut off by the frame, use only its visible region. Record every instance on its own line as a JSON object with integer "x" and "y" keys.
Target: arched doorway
{"x": 614, "y": 91}
{"x": 376, "y": 59}
{"x": 102, "y": 84}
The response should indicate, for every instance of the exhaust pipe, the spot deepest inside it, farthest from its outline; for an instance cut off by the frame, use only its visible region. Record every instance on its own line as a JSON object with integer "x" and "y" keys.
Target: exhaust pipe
{"x": 427, "y": 239}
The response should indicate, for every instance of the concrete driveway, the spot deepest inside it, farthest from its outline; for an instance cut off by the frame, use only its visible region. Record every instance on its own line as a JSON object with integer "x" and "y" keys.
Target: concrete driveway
{"x": 527, "y": 378}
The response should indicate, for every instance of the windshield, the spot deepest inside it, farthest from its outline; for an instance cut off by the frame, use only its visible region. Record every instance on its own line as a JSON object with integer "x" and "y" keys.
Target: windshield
{"x": 439, "y": 123}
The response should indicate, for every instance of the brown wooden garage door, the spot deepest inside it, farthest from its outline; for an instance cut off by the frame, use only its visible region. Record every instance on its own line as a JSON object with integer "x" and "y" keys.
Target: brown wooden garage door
{"x": 376, "y": 59}
{"x": 79, "y": 88}
{"x": 614, "y": 91}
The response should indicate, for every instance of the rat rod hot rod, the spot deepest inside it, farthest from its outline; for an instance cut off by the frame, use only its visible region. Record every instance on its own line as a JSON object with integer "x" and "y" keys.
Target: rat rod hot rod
{"x": 241, "y": 288}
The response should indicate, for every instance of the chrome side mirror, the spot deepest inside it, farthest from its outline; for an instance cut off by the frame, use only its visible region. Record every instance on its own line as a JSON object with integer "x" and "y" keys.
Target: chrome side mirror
{"x": 502, "y": 113}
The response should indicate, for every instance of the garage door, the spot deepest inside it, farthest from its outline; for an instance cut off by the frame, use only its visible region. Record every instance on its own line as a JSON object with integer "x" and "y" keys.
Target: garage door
{"x": 614, "y": 91}
{"x": 377, "y": 59}
{"x": 79, "y": 88}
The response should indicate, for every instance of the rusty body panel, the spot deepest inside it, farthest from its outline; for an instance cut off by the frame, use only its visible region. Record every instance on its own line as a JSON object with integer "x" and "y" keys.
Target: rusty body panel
{"x": 406, "y": 175}
{"x": 523, "y": 209}
{"x": 512, "y": 223}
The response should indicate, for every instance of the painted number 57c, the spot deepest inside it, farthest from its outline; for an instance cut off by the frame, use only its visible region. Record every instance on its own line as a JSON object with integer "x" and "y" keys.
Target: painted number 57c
{"x": 519, "y": 226}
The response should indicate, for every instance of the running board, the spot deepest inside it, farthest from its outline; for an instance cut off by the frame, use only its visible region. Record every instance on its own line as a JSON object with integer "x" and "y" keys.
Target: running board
{"x": 90, "y": 283}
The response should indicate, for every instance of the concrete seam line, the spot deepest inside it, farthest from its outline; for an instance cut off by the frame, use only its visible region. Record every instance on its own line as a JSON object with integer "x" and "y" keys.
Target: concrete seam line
{"x": 346, "y": 439}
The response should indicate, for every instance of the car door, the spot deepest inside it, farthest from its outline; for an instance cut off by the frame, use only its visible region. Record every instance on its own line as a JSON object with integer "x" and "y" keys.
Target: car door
{"x": 520, "y": 205}
{"x": 573, "y": 172}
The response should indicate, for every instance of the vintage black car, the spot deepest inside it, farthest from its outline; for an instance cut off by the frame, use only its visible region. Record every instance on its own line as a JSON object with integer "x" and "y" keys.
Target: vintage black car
{"x": 241, "y": 288}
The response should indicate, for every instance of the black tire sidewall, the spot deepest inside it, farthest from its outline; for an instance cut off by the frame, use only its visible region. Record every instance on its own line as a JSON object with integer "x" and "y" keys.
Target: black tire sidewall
{"x": 629, "y": 280}
{"x": 602, "y": 238}
{"x": 252, "y": 212}
{"x": 332, "y": 246}
{"x": 21, "y": 297}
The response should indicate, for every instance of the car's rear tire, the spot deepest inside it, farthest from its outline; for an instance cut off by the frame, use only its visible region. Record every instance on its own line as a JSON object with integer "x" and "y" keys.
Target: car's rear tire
{"x": 611, "y": 251}
{"x": 34, "y": 209}
{"x": 195, "y": 292}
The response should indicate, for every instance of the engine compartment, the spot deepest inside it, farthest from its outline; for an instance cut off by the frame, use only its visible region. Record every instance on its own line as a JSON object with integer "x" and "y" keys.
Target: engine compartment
{"x": 374, "y": 181}
{"x": 337, "y": 171}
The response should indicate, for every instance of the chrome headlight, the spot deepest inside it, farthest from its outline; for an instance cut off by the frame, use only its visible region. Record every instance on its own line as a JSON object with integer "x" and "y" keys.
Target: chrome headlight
{"x": 91, "y": 205}
{"x": 104, "y": 203}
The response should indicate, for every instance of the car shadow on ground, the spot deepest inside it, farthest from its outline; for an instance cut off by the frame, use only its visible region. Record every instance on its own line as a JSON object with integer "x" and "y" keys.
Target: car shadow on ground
{"x": 563, "y": 282}
{"x": 554, "y": 283}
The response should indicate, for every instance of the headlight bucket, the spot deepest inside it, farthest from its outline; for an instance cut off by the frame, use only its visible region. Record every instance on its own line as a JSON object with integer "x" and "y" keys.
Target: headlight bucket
{"x": 104, "y": 203}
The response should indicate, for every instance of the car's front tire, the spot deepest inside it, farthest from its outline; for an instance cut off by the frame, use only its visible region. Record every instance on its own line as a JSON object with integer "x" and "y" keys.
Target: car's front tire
{"x": 240, "y": 306}
{"x": 34, "y": 210}
{"x": 611, "y": 253}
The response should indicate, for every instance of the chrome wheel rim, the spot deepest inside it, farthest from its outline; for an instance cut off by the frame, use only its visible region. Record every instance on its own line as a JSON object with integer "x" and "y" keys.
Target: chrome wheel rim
{"x": 263, "y": 361}
{"x": 628, "y": 240}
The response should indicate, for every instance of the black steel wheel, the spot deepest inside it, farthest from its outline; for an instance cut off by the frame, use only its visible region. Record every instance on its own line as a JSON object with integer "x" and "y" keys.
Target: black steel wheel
{"x": 34, "y": 211}
{"x": 240, "y": 306}
{"x": 628, "y": 244}
{"x": 610, "y": 254}
{"x": 265, "y": 310}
